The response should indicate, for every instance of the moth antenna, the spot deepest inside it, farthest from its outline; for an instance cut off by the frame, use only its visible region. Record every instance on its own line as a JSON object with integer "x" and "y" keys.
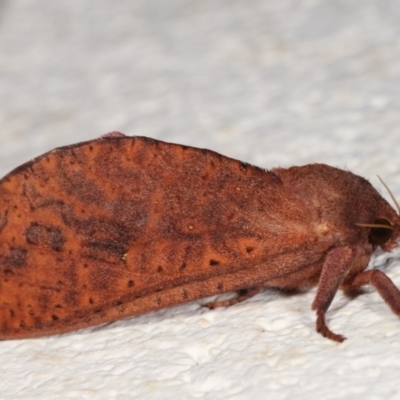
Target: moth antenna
{"x": 375, "y": 226}
{"x": 391, "y": 194}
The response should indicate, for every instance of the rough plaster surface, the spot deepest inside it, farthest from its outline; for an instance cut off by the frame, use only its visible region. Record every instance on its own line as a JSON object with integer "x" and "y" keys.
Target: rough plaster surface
{"x": 270, "y": 82}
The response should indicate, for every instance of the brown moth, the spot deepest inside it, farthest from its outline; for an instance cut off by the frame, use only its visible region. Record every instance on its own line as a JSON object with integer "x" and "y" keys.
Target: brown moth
{"x": 118, "y": 226}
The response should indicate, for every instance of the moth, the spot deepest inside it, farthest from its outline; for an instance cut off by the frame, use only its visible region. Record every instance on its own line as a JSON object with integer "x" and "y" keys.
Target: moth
{"x": 118, "y": 226}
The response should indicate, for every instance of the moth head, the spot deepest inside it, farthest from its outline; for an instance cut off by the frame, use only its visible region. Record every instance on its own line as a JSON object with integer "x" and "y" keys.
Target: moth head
{"x": 381, "y": 231}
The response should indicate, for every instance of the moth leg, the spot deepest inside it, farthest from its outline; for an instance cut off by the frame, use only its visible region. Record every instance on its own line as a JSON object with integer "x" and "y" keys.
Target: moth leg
{"x": 113, "y": 134}
{"x": 337, "y": 263}
{"x": 242, "y": 295}
{"x": 383, "y": 285}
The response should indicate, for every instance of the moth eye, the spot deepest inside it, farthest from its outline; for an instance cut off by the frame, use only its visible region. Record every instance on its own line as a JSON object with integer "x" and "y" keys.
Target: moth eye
{"x": 379, "y": 236}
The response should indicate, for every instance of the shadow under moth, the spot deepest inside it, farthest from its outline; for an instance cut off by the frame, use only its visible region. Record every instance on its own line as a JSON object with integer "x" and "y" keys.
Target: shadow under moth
{"x": 118, "y": 226}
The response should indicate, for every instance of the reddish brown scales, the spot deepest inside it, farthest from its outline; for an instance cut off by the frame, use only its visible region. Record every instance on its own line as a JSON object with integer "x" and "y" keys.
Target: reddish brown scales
{"x": 102, "y": 230}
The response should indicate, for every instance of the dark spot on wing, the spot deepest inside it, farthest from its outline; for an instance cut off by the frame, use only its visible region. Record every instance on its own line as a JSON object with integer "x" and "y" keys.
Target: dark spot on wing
{"x": 43, "y": 235}
{"x": 3, "y": 220}
{"x": 104, "y": 250}
{"x": 16, "y": 258}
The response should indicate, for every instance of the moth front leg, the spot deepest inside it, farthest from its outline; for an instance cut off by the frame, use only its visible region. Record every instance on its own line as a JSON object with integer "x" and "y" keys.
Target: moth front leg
{"x": 337, "y": 263}
{"x": 382, "y": 283}
{"x": 113, "y": 134}
{"x": 242, "y": 295}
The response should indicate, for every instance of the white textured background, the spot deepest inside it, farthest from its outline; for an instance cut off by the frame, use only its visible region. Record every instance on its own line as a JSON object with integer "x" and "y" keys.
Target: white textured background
{"x": 270, "y": 82}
